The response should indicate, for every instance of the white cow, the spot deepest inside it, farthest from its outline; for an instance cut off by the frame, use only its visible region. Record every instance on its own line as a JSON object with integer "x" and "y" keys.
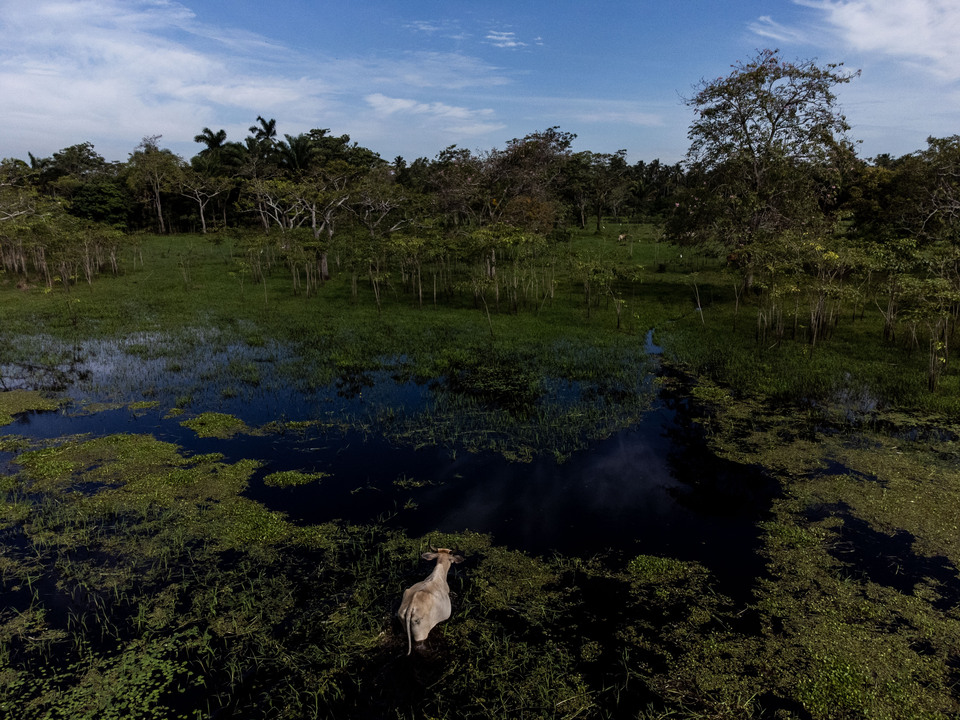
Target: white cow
{"x": 428, "y": 602}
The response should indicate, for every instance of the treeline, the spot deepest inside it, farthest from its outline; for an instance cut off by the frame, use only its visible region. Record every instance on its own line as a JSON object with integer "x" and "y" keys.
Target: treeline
{"x": 315, "y": 201}
{"x": 535, "y": 182}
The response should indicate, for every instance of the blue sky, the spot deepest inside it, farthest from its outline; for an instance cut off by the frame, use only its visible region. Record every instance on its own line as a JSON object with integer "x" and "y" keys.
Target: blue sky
{"x": 410, "y": 78}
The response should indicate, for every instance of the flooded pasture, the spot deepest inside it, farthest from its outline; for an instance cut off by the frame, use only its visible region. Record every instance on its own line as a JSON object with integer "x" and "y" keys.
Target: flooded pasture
{"x": 282, "y": 507}
{"x": 582, "y": 506}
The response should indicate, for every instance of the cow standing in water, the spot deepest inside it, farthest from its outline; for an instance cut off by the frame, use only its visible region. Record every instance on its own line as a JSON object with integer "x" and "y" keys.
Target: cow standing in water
{"x": 428, "y": 602}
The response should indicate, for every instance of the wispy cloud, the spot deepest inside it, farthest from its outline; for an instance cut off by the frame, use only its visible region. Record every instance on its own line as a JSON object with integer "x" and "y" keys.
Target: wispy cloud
{"x": 576, "y": 112}
{"x": 446, "y": 29}
{"x": 111, "y": 71}
{"x": 766, "y": 27}
{"x": 620, "y": 117}
{"x": 502, "y": 39}
{"x": 451, "y": 71}
{"x": 424, "y": 26}
{"x": 449, "y": 118}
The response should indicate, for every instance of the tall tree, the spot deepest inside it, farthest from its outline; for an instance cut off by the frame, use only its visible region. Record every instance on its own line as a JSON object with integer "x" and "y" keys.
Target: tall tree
{"x": 213, "y": 140}
{"x": 297, "y": 153}
{"x": 942, "y": 217}
{"x": 152, "y": 172}
{"x": 17, "y": 192}
{"x": 202, "y": 189}
{"x": 265, "y": 131}
{"x": 260, "y": 148}
{"x": 768, "y": 147}
{"x": 597, "y": 178}
{"x": 523, "y": 179}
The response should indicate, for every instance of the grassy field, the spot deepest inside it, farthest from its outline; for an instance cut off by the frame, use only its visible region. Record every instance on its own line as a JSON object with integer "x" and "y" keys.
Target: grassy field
{"x": 140, "y": 582}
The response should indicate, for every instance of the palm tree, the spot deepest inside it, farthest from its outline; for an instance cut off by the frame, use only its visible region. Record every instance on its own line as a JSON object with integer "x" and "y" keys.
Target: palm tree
{"x": 266, "y": 131}
{"x": 210, "y": 160}
{"x": 298, "y": 152}
{"x": 213, "y": 140}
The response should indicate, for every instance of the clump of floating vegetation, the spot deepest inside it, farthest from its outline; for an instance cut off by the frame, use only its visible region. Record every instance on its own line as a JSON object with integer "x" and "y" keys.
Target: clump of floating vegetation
{"x": 292, "y": 478}
{"x": 218, "y": 425}
{"x": 14, "y": 402}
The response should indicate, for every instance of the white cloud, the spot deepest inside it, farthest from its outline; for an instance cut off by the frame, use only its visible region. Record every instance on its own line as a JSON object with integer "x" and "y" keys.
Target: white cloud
{"x": 908, "y": 88}
{"x": 424, "y": 26}
{"x": 112, "y": 71}
{"x": 620, "y": 117}
{"x": 765, "y": 26}
{"x": 924, "y": 31}
{"x": 580, "y": 111}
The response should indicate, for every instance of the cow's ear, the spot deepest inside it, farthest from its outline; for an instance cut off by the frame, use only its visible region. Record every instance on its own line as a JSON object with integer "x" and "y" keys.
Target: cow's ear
{"x": 429, "y": 556}
{"x": 457, "y": 558}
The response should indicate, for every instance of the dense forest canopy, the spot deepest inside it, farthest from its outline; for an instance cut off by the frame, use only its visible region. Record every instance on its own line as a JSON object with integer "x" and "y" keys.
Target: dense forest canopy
{"x": 772, "y": 183}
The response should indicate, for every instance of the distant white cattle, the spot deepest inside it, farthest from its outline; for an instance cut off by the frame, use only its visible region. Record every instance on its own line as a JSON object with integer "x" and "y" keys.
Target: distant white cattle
{"x": 428, "y": 602}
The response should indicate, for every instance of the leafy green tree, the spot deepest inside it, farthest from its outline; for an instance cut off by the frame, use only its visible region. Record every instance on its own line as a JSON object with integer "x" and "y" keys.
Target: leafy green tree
{"x": 202, "y": 189}
{"x": 152, "y": 172}
{"x": 767, "y": 155}
{"x": 78, "y": 161}
{"x": 104, "y": 198}
{"x": 218, "y": 157}
{"x": 378, "y": 203}
{"x": 325, "y": 198}
{"x": 930, "y": 304}
{"x": 19, "y": 205}
{"x": 63, "y": 174}
{"x": 277, "y": 201}
{"x": 596, "y": 181}
{"x": 259, "y": 149}
{"x": 18, "y": 195}
{"x": 602, "y": 277}
{"x": 456, "y": 180}
{"x": 577, "y": 187}
{"x": 338, "y": 148}
{"x": 522, "y": 182}
{"x": 892, "y": 198}
{"x": 941, "y": 211}
{"x": 265, "y": 131}
{"x": 654, "y": 186}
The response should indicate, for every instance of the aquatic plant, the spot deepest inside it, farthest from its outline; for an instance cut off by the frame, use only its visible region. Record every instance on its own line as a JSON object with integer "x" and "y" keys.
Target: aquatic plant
{"x": 292, "y": 478}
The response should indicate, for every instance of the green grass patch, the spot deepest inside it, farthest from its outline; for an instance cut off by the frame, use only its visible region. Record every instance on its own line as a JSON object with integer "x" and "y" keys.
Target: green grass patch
{"x": 218, "y": 425}
{"x": 292, "y": 478}
{"x": 15, "y": 402}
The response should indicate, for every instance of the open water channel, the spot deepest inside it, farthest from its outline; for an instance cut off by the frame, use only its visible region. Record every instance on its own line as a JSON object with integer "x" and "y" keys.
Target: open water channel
{"x": 651, "y": 488}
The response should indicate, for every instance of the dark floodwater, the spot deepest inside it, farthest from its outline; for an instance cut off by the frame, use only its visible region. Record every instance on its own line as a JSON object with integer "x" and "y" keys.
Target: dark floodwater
{"x": 653, "y": 488}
